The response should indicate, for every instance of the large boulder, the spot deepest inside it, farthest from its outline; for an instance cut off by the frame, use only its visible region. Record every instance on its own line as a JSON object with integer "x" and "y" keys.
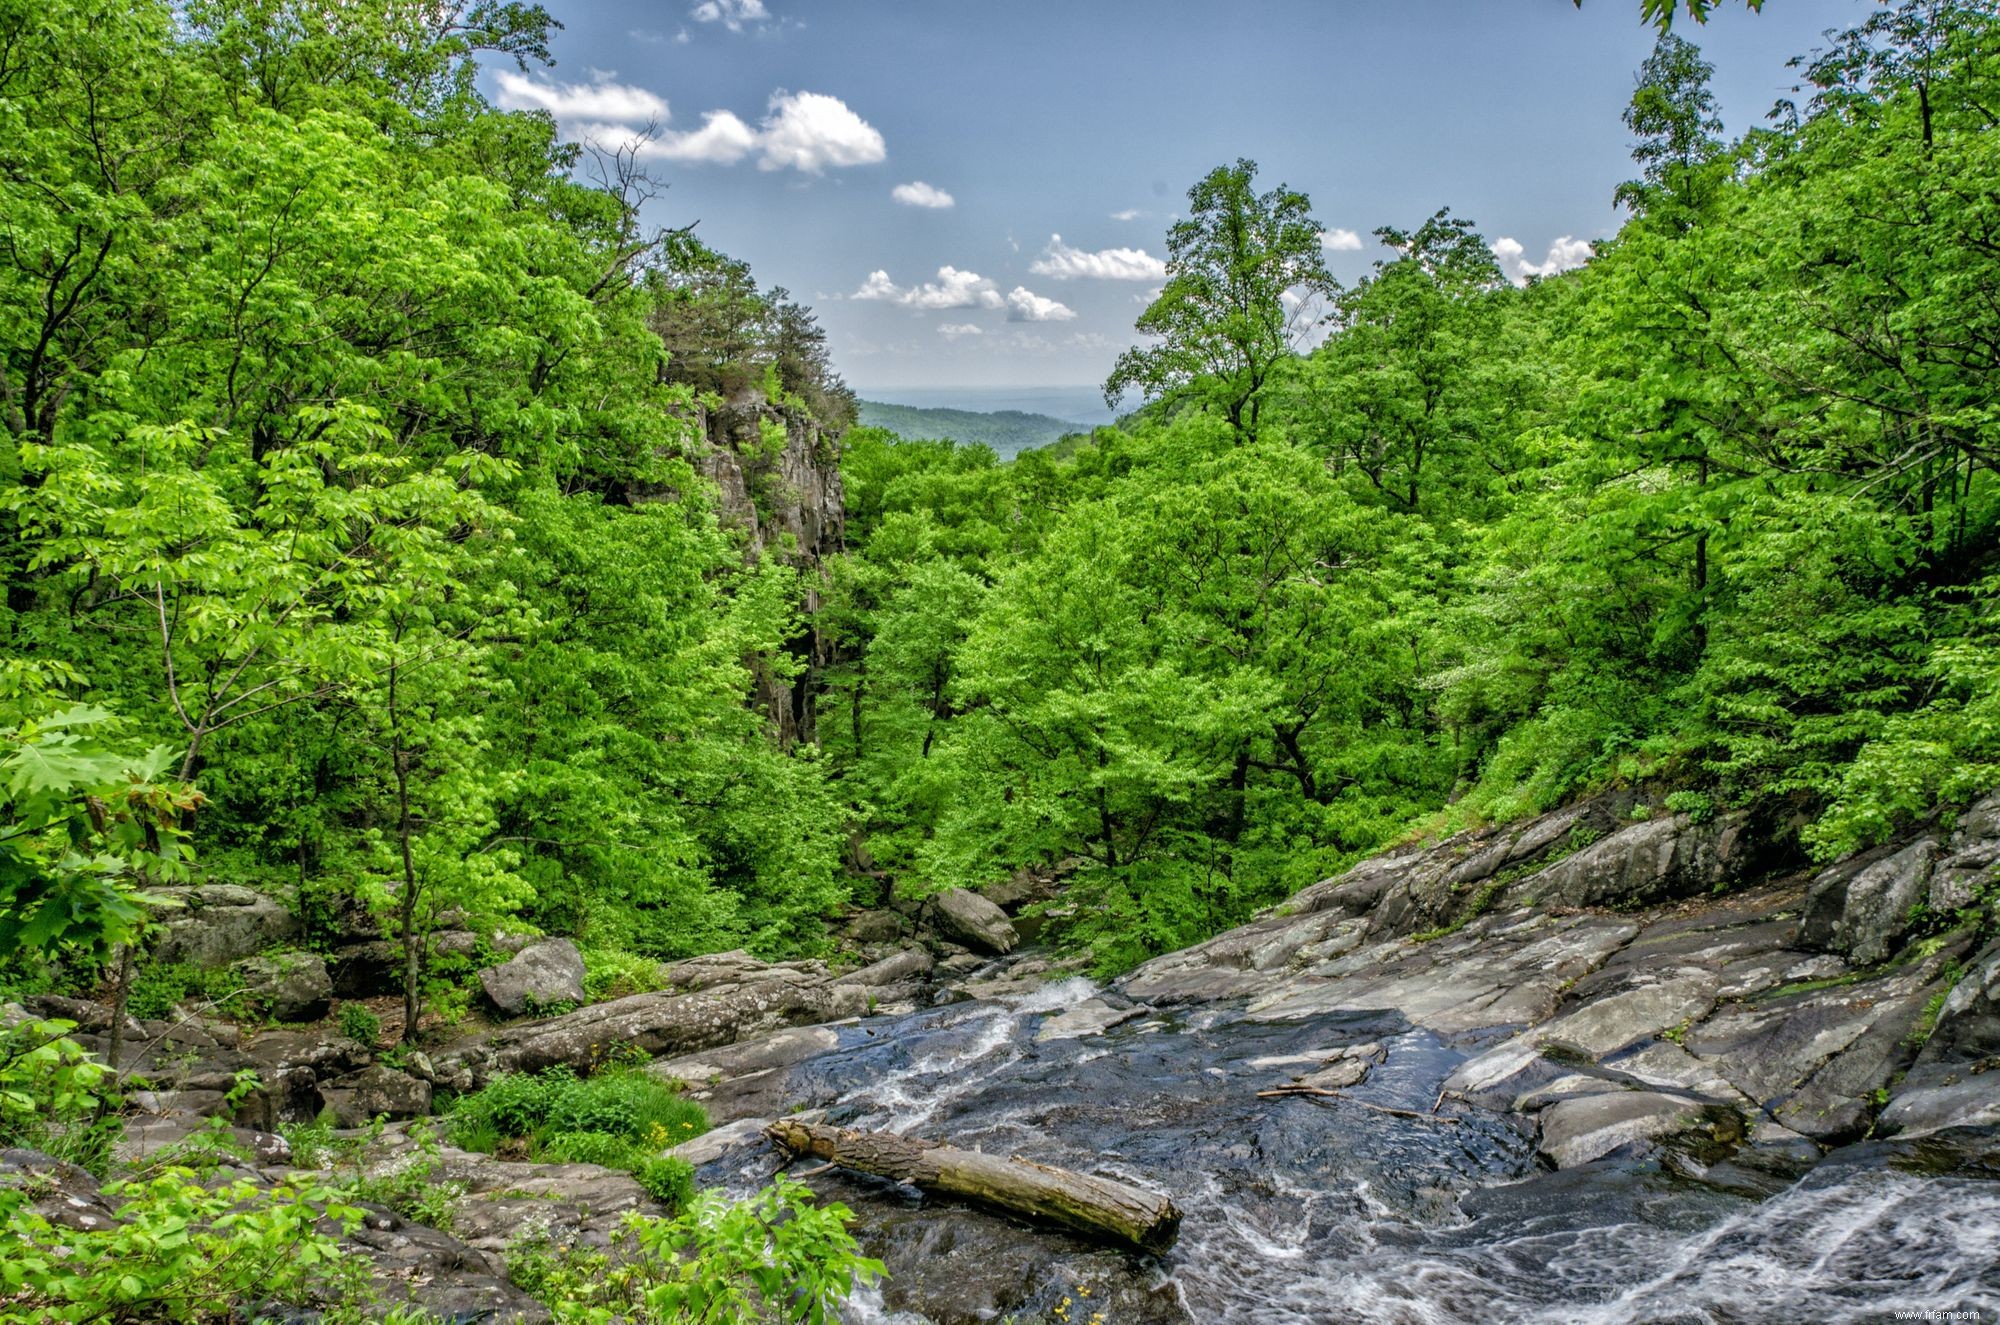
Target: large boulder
{"x": 966, "y": 917}
{"x": 735, "y": 967}
{"x": 375, "y": 1092}
{"x": 61, "y": 1192}
{"x": 898, "y": 968}
{"x": 1650, "y": 861}
{"x": 539, "y": 976}
{"x": 874, "y": 927}
{"x": 1584, "y": 1128}
{"x": 290, "y": 986}
{"x": 1969, "y": 858}
{"x": 1863, "y": 907}
{"x": 1956, "y": 1079}
{"x": 215, "y": 924}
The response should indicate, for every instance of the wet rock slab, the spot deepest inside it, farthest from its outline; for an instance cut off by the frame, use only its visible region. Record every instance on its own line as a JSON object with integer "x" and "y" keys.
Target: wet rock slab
{"x": 1796, "y": 1006}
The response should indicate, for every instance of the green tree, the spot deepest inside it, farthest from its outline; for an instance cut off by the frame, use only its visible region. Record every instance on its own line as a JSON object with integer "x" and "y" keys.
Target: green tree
{"x": 1245, "y": 274}
{"x": 1674, "y": 114}
{"x": 86, "y": 824}
{"x": 1410, "y": 387}
{"x": 1661, "y": 13}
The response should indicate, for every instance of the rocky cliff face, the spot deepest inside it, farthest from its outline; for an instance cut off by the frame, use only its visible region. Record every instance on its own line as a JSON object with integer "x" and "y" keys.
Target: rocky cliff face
{"x": 779, "y": 474}
{"x": 777, "y": 470}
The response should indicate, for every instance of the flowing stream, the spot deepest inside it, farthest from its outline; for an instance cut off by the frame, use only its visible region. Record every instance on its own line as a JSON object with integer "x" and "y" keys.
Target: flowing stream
{"x": 1311, "y": 1210}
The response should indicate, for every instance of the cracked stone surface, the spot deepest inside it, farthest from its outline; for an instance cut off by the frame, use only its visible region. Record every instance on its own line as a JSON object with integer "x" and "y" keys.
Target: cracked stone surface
{"x": 1796, "y": 1007}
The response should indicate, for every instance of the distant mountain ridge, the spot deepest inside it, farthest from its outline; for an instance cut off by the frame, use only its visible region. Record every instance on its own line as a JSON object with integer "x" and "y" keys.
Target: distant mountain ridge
{"x": 1009, "y": 431}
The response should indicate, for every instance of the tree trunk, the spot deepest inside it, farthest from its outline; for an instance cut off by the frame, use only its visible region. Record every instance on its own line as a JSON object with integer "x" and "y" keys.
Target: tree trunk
{"x": 1099, "y": 1207}
{"x": 119, "y": 1001}
{"x": 407, "y": 904}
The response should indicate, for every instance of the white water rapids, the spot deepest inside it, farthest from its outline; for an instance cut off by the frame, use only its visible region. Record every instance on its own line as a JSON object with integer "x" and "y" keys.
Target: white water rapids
{"x": 1299, "y": 1212}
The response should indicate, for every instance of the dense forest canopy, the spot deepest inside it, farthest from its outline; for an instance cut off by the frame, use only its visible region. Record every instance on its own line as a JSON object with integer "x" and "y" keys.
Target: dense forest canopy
{"x": 341, "y": 407}
{"x": 400, "y": 526}
{"x": 362, "y": 543}
{"x": 1715, "y": 513}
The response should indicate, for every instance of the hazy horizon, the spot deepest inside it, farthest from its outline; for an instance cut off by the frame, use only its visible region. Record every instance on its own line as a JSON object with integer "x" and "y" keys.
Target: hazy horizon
{"x": 1082, "y": 405}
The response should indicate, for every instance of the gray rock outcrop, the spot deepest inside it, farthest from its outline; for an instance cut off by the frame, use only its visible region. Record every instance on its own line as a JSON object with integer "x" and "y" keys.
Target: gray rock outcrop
{"x": 290, "y": 986}
{"x": 966, "y": 917}
{"x": 538, "y": 976}
{"x": 375, "y": 1092}
{"x": 214, "y": 924}
{"x": 1767, "y": 1014}
{"x": 1584, "y": 1128}
{"x": 720, "y": 1000}
{"x": 1645, "y": 862}
{"x": 1955, "y": 1081}
{"x": 1862, "y": 908}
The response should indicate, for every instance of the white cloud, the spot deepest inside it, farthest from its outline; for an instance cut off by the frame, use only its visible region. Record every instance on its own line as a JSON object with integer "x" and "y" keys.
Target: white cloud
{"x": 1129, "y": 214}
{"x": 721, "y": 140}
{"x": 878, "y": 286}
{"x": 598, "y": 100}
{"x": 1340, "y": 241}
{"x": 1064, "y": 263}
{"x": 954, "y": 330}
{"x": 732, "y": 14}
{"x": 810, "y": 131}
{"x": 919, "y": 194}
{"x": 807, "y": 131}
{"x": 1564, "y": 254}
{"x": 1024, "y": 305}
{"x": 952, "y": 289}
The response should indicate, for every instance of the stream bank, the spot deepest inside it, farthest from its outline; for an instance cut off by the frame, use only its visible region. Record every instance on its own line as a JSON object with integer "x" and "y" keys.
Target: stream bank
{"x": 1597, "y": 1067}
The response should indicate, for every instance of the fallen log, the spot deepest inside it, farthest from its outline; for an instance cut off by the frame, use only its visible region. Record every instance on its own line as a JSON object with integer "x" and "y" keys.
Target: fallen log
{"x": 1081, "y": 1202}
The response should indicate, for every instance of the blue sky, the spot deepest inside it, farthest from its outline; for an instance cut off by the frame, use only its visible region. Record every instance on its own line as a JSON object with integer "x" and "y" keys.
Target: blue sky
{"x": 905, "y": 166}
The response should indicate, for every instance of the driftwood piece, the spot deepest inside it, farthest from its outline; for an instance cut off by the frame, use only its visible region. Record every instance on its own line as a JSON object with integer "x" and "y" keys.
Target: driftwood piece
{"x": 1279, "y": 1092}
{"x": 1084, "y": 1203}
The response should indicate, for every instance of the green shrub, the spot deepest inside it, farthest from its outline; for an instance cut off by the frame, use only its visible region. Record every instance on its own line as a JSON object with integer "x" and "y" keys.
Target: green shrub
{"x": 668, "y": 1180}
{"x": 615, "y": 973}
{"x": 621, "y": 1118}
{"x": 613, "y": 1152}
{"x": 313, "y": 1144}
{"x": 775, "y": 1257}
{"x": 180, "y": 1252}
{"x": 625, "y": 1103}
{"x": 1696, "y": 806}
{"x": 54, "y": 1097}
{"x": 158, "y": 990}
{"x": 25, "y": 974}
{"x": 514, "y": 1105}
{"x": 358, "y": 1023}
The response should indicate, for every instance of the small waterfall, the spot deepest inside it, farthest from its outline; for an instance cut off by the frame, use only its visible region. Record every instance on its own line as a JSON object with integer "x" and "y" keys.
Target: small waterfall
{"x": 1305, "y": 1211}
